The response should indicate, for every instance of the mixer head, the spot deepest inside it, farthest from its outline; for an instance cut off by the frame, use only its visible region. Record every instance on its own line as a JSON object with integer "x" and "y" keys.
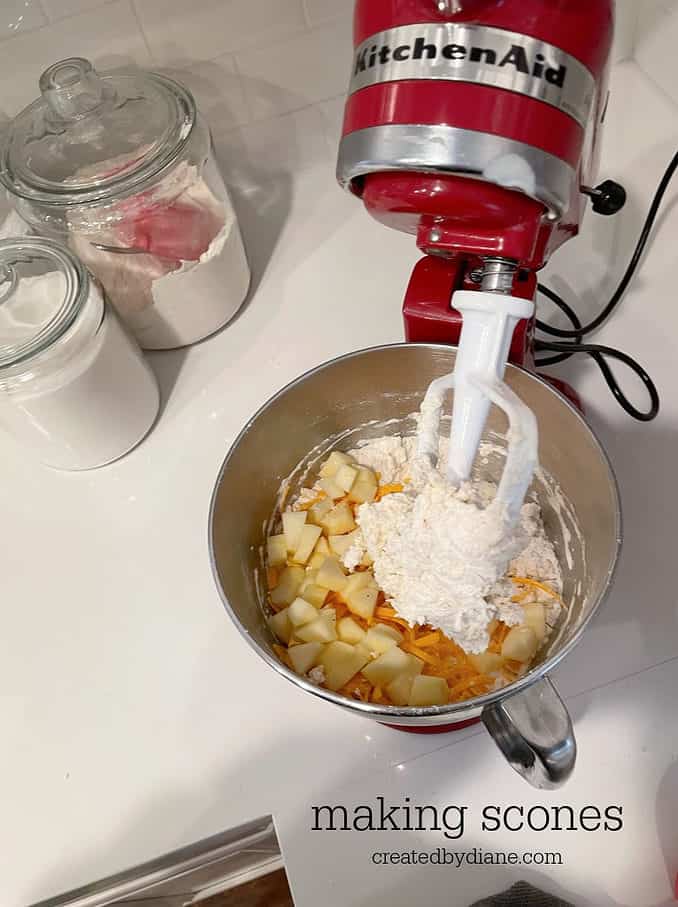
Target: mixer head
{"x": 474, "y": 125}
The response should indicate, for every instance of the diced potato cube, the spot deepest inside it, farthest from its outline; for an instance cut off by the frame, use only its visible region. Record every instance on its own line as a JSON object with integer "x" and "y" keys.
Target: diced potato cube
{"x": 387, "y": 667}
{"x": 365, "y": 486}
{"x": 535, "y": 617}
{"x": 412, "y": 666}
{"x": 316, "y": 561}
{"x": 365, "y": 651}
{"x": 309, "y": 578}
{"x": 322, "y": 546}
{"x": 289, "y": 582}
{"x": 331, "y": 489}
{"x": 486, "y": 662}
{"x": 363, "y": 602}
{"x": 331, "y": 575}
{"x": 341, "y": 543}
{"x": 308, "y": 537}
{"x": 357, "y": 581}
{"x": 329, "y": 612}
{"x": 276, "y": 550}
{"x": 428, "y": 691}
{"x": 381, "y": 638}
{"x": 339, "y": 520}
{"x": 318, "y": 511}
{"x": 398, "y": 690}
{"x": 301, "y": 612}
{"x": 315, "y": 595}
{"x": 521, "y": 644}
{"x": 341, "y": 662}
{"x": 306, "y": 655}
{"x": 416, "y": 665}
{"x": 349, "y": 631}
{"x": 322, "y": 629}
{"x": 334, "y": 462}
{"x": 345, "y": 476}
{"x": 293, "y": 522}
{"x": 281, "y": 626}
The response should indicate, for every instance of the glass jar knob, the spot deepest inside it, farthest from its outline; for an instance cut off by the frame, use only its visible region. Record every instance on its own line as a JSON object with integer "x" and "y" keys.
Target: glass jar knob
{"x": 72, "y": 88}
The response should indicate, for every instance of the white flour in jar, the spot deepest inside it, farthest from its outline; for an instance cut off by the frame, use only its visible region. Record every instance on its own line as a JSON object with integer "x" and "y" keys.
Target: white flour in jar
{"x": 90, "y": 396}
{"x": 168, "y": 302}
{"x": 441, "y": 553}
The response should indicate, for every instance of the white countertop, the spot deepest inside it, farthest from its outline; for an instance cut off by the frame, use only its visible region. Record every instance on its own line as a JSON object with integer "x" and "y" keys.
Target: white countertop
{"x": 136, "y": 720}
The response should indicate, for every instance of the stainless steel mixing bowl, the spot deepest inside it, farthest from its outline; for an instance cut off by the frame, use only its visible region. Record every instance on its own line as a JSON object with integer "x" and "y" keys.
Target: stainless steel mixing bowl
{"x": 351, "y": 398}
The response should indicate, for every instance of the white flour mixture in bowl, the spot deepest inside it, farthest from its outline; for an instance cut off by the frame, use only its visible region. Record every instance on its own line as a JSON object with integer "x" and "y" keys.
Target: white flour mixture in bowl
{"x": 379, "y": 569}
{"x": 439, "y": 555}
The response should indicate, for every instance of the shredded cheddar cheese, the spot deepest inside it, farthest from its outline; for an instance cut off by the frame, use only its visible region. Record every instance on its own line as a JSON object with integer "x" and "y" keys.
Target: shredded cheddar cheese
{"x": 428, "y": 639}
{"x": 393, "y": 488}
{"x": 526, "y": 581}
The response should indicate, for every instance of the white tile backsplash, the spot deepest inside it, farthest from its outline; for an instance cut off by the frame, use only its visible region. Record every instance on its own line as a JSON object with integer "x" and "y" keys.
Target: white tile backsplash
{"x": 109, "y": 36}
{"x": 656, "y": 40}
{"x": 218, "y": 90}
{"x": 626, "y": 19}
{"x": 290, "y": 75}
{"x": 319, "y": 11}
{"x": 333, "y": 117}
{"x": 179, "y": 31}
{"x": 61, "y": 9}
{"x": 268, "y": 149}
{"x": 18, "y": 16}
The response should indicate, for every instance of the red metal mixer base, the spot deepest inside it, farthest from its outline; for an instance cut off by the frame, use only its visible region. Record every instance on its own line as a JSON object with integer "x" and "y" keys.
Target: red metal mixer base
{"x": 435, "y": 729}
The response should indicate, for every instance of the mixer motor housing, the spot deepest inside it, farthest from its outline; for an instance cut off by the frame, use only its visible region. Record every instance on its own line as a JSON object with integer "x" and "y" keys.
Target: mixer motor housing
{"x": 475, "y": 125}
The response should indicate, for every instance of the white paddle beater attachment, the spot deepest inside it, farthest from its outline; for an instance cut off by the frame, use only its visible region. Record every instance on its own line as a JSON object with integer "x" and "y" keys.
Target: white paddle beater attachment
{"x": 489, "y": 319}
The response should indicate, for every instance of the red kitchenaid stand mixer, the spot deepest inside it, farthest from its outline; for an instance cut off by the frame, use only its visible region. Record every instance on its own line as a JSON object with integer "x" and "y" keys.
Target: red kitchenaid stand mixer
{"x": 475, "y": 125}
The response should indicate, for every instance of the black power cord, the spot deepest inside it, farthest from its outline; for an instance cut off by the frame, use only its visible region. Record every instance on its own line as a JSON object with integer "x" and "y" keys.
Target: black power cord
{"x": 578, "y": 331}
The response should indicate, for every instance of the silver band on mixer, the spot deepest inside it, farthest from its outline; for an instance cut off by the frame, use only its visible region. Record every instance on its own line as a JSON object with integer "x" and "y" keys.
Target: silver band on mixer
{"x": 449, "y": 149}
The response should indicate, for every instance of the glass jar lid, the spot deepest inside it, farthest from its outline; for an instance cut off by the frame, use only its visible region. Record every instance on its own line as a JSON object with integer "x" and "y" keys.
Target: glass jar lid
{"x": 43, "y": 287}
{"x": 91, "y": 136}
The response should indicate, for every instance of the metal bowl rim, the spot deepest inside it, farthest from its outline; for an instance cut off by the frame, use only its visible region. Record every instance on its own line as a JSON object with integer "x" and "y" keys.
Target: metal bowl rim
{"x": 391, "y": 713}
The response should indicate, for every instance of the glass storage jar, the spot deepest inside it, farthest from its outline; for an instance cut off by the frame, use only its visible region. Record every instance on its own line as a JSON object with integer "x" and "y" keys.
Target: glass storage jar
{"x": 74, "y": 385}
{"x": 120, "y": 167}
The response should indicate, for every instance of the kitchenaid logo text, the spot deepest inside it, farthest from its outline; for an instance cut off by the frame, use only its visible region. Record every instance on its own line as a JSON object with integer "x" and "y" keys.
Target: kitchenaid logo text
{"x": 515, "y": 57}
{"x": 453, "y": 821}
{"x": 479, "y": 54}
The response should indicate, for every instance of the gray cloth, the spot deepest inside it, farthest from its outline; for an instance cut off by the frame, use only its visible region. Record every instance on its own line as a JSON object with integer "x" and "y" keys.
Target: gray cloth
{"x": 522, "y": 895}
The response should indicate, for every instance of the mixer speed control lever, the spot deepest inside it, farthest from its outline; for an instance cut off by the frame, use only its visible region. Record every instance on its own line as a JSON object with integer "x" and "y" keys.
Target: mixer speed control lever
{"x": 608, "y": 198}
